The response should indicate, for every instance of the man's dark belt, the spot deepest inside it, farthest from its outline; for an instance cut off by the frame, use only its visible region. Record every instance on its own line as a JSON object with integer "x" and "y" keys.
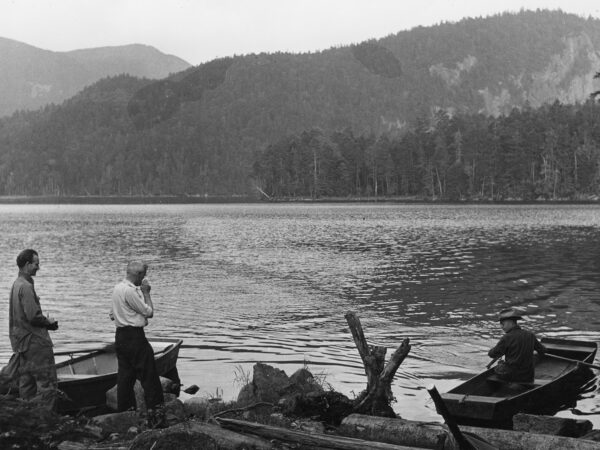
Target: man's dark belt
{"x": 130, "y": 329}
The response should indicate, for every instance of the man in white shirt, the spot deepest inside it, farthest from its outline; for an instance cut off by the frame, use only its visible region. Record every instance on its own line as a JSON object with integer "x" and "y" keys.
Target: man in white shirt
{"x": 131, "y": 308}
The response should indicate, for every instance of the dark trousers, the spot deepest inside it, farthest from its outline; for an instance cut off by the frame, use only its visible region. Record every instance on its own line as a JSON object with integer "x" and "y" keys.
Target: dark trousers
{"x": 38, "y": 374}
{"x": 136, "y": 361}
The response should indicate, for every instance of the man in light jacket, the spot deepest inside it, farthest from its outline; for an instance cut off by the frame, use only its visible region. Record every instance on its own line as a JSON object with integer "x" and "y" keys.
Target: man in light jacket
{"x": 29, "y": 337}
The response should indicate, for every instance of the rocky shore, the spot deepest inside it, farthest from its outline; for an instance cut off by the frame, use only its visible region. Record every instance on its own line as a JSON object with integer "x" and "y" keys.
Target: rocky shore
{"x": 271, "y": 397}
{"x": 273, "y": 411}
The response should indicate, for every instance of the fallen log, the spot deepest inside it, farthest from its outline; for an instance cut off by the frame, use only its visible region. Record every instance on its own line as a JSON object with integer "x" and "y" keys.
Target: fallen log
{"x": 395, "y": 431}
{"x": 308, "y": 440}
{"x": 558, "y": 426}
{"x": 198, "y": 435}
{"x": 428, "y": 435}
{"x": 71, "y": 445}
{"x": 376, "y": 399}
{"x": 519, "y": 440}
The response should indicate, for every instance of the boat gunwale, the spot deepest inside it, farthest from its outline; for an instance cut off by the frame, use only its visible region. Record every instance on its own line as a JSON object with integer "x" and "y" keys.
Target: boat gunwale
{"x": 84, "y": 356}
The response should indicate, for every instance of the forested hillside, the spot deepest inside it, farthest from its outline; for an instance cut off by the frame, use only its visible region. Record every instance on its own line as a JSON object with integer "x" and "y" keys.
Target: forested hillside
{"x": 485, "y": 108}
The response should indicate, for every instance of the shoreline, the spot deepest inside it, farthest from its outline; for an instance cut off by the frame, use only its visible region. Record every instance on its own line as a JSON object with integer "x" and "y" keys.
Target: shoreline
{"x": 185, "y": 199}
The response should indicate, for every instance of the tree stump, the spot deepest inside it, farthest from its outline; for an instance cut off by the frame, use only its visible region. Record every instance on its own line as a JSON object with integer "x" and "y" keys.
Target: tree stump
{"x": 376, "y": 399}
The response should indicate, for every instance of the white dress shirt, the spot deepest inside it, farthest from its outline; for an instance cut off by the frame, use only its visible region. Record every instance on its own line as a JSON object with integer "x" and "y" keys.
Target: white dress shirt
{"x": 128, "y": 305}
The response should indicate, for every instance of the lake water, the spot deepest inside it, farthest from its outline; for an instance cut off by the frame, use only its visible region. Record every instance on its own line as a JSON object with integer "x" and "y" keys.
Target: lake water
{"x": 246, "y": 283}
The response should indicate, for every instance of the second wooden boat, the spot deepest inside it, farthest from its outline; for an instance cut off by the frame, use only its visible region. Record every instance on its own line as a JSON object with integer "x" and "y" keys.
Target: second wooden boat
{"x": 486, "y": 401}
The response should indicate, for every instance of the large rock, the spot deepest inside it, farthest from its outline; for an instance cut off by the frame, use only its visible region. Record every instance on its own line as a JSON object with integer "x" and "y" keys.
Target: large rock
{"x": 271, "y": 385}
{"x": 167, "y": 385}
{"x": 299, "y": 395}
{"x": 174, "y": 411}
{"x": 111, "y": 398}
{"x": 267, "y": 385}
{"x": 557, "y": 426}
{"x": 303, "y": 382}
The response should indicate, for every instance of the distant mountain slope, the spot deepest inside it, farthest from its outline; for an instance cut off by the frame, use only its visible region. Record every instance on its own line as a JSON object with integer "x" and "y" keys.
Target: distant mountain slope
{"x": 492, "y": 64}
{"x": 198, "y": 130}
{"x": 31, "y": 77}
{"x": 486, "y": 65}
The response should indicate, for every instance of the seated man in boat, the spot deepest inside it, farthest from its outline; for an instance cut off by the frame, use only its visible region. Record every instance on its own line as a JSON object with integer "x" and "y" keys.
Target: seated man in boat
{"x": 517, "y": 346}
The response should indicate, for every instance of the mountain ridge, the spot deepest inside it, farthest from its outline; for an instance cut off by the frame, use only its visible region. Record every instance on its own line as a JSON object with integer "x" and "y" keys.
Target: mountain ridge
{"x": 33, "y": 77}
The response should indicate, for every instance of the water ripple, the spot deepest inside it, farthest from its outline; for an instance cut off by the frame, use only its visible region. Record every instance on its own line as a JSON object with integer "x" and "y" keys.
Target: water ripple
{"x": 271, "y": 283}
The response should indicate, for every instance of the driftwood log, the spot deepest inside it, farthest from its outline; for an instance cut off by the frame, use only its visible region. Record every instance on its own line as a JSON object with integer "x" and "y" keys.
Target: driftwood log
{"x": 431, "y": 435}
{"x": 558, "y": 426}
{"x": 376, "y": 399}
{"x": 304, "y": 439}
{"x": 196, "y": 436}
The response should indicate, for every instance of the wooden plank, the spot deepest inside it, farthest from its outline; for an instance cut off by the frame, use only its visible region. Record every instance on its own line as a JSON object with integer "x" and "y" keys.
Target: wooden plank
{"x": 73, "y": 376}
{"x": 309, "y": 439}
{"x": 527, "y": 384}
{"x": 472, "y": 398}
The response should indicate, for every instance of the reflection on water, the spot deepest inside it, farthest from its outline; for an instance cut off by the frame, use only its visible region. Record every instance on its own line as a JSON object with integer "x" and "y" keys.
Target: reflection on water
{"x": 271, "y": 283}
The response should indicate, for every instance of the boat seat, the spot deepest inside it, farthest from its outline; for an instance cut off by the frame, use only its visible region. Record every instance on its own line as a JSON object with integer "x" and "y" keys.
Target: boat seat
{"x": 536, "y": 382}
{"x": 73, "y": 376}
{"x": 570, "y": 348}
{"x": 461, "y": 398}
{"x": 528, "y": 384}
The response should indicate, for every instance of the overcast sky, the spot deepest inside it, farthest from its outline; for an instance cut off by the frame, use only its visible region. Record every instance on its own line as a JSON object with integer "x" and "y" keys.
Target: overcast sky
{"x": 201, "y": 30}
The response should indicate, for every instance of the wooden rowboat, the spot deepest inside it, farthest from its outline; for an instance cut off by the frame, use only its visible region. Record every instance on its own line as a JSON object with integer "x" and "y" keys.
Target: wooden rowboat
{"x": 85, "y": 379}
{"x": 487, "y": 401}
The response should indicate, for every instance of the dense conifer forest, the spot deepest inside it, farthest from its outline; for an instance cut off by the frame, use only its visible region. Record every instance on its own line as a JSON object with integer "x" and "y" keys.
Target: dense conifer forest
{"x": 552, "y": 152}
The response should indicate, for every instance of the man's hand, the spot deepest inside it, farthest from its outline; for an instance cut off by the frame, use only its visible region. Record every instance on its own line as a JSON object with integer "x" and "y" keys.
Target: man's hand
{"x": 53, "y": 326}
{"x": 145, "y": 286}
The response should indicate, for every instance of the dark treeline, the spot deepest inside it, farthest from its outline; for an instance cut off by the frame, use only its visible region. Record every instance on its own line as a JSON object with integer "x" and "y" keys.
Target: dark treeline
{"x": 548, "y": 153}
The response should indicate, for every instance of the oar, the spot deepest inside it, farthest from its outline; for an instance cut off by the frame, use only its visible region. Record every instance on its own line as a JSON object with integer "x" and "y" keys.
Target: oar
{"x": 593, "y": 366}
{"x": 107, "y": 348}
{"x": 465, "y": 441}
